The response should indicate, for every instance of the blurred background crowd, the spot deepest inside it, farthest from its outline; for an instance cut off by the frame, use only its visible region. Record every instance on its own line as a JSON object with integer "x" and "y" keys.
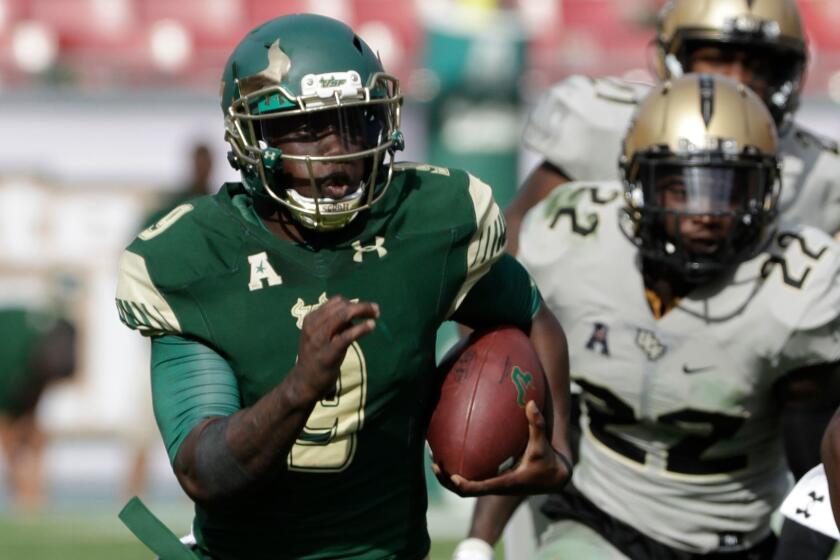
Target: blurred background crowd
{"x": 109, "y": 115}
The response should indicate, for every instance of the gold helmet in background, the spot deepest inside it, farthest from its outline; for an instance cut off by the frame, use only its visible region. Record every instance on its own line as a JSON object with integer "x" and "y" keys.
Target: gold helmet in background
{"x": 768, "y": 29}
{"x": 702, "y": 150}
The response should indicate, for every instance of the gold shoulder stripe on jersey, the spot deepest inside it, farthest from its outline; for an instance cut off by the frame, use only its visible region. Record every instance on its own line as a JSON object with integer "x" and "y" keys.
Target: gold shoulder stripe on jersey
{"x": 139, "y": 302}
{"x": 166, "y": 222}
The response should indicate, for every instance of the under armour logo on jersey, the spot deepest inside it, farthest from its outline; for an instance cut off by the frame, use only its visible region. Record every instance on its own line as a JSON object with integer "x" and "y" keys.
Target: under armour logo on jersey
{"x": 261, "y": 271}
{"x": 806, "y": 511}
{"x": 378, "y": 246}
{"x": 651, "y": 346}
{"x": 599, "y": 339}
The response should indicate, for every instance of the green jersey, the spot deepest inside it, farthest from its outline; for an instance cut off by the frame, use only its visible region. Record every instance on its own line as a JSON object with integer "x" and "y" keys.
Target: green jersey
{"x": 210, "y": 271}
{"x": 21, "y": 330}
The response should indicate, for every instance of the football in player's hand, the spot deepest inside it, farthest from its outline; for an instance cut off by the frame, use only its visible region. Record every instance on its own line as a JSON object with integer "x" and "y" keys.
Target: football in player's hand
{"x": 478, "y": 428}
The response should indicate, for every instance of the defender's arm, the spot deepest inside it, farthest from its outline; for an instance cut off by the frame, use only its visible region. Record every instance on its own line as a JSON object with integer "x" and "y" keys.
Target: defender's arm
{"x": 831, "y": 461}
{"x": 808, "y": 398}
{"x": 542, "y": 180}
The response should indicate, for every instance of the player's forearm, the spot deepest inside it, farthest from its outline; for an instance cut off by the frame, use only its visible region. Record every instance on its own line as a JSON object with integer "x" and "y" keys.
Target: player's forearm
{"x": 218, "y": 449}
{"x": 808, "y": 397}
{"x": 549, "y": 341}
{"x": 536, "y": 187}
{"x": 226, "y": 458}
{"x": 262, "y": 435}
{"x": 803, "y": 430}
{"x": 831, "y": 460}
{"x": 490, "y": 516}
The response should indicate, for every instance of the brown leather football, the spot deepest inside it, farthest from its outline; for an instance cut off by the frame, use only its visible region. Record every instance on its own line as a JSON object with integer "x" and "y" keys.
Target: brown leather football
{"x": 478, "y": 428}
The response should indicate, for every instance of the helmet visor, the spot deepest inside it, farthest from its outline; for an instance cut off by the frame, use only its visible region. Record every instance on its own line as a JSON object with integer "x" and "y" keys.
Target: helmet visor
{"x": 357, "y": 129}
{"x": 713, "y": 190}
{"x": 703, "y": 216}
{"x": 327, "y": 153}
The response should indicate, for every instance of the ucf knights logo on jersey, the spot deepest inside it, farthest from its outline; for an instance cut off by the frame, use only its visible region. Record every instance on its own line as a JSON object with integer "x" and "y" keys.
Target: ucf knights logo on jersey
{"x": 650, "y": 345}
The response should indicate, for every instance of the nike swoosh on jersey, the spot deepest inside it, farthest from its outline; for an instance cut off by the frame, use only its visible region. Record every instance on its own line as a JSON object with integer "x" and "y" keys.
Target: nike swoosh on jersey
{"x": 690, "y": 370}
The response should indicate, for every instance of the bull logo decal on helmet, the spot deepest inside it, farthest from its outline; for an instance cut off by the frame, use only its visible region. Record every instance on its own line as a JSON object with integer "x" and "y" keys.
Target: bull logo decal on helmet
{"x": 278, "y": 67}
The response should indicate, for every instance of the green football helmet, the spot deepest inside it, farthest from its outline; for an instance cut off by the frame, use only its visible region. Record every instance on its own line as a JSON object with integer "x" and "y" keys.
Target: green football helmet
{"x": 301, "y": 69}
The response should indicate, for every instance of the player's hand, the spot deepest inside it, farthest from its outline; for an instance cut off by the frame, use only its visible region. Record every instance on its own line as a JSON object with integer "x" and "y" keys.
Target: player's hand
{"x": 325, "y": 336}
{"x": 541, "y": 469}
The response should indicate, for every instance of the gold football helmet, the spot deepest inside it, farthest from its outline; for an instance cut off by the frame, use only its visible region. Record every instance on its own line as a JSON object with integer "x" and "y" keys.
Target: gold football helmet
{"x": 701, "y": 174}
{"x": 769, "y": 30}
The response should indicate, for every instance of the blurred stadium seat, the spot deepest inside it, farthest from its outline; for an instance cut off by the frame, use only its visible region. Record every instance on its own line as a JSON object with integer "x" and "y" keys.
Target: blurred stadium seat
{"x": 106, "y": 43}
{"x": 101, "y": 100}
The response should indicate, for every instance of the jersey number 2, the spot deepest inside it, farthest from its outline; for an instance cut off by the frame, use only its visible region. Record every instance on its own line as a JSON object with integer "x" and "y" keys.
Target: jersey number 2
{"x": 328, "y": 441}
{"x": 686, "y": 455}
{"x": 565, "y": 203}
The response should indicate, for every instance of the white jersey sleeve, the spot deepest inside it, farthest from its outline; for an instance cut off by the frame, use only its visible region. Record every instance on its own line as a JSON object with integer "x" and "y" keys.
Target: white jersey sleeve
{"x": 578, "y": 125}
{"x": 568, "y": 221}
{"x": 810, "y": 180}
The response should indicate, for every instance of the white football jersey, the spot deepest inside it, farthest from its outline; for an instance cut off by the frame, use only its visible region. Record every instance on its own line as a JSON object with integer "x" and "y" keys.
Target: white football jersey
{"x": 579, "y": 125}
{"x": 681, "y": 434}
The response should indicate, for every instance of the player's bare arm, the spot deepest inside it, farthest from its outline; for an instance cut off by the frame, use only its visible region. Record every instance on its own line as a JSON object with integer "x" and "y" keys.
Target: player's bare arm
{"x": 808, "y": 398}
{"x": 225, "y": 456}
{"x": 544, "y": 466}
{"x": 542, "y": 180}
{"x": 831, "y": 460}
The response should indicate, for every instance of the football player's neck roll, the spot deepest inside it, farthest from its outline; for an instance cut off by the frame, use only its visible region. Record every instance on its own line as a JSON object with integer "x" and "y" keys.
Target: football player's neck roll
{"x": 701, "y": 177}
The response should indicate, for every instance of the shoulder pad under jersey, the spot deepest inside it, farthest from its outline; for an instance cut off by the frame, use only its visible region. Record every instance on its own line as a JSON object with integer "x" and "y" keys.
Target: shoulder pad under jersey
{"x": 579, "y": 123}
{"x": 802, "y": 266}
{"x": 811, "y": 139}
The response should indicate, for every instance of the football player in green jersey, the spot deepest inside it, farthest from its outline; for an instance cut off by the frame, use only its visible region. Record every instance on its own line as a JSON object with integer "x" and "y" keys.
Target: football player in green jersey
{"x": 36, "y": 350}
{"x": 293, "y": 315}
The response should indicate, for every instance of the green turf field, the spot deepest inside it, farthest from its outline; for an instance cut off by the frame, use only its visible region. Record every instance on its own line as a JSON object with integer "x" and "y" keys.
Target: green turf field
{"x": 94, "y": 537}
{"x": 102, "y": 537}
